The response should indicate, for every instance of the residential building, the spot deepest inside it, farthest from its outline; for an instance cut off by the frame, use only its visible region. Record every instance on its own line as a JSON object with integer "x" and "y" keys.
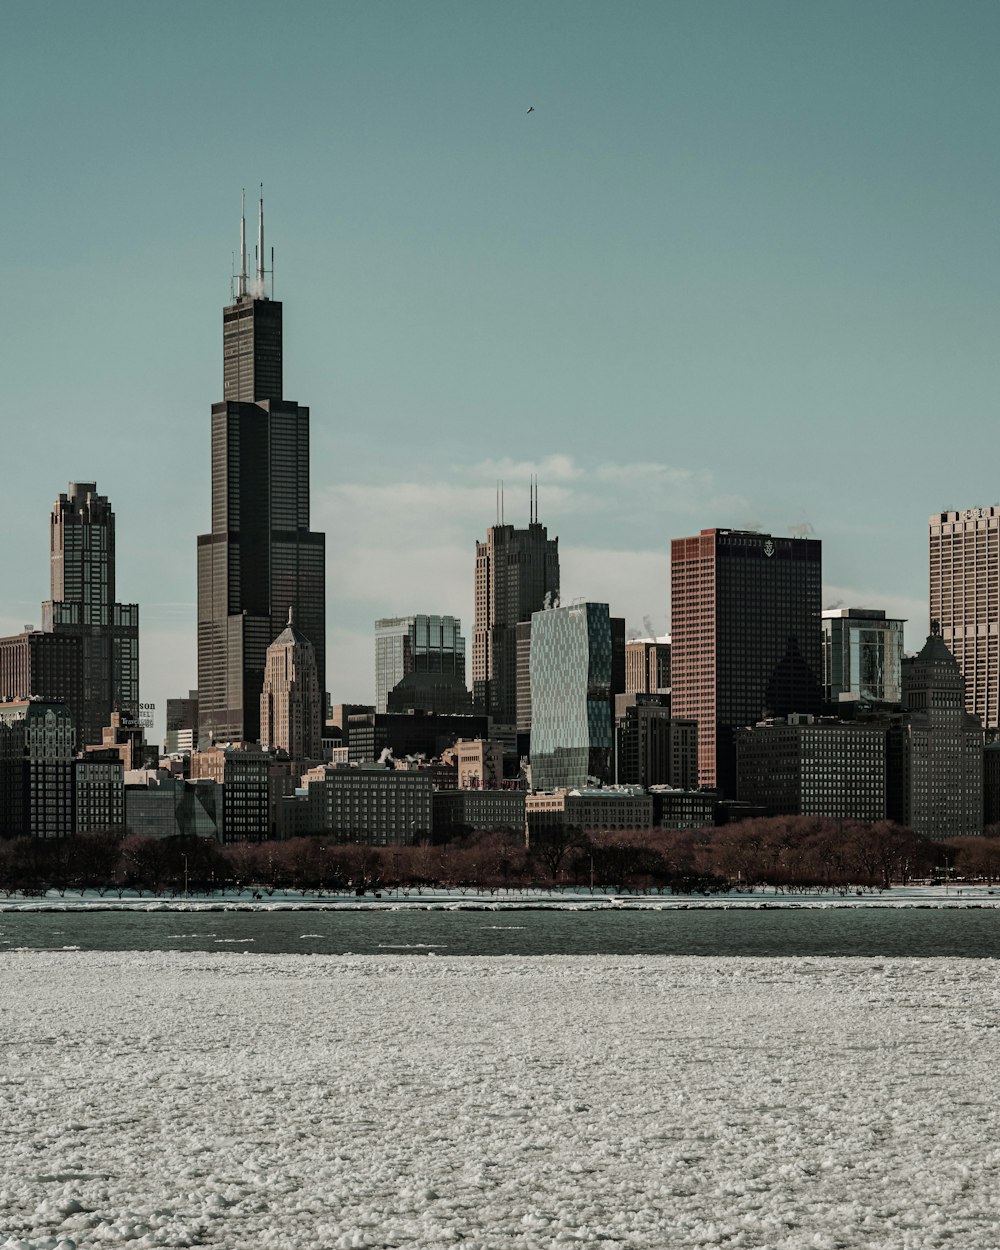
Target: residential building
{"x": 371, "y": 804}
{"x": 260, "y": 558}
{"x": 291, "y": 702}
{"x": 678, "y": 809}
{"x": 82, "y": 606}
{"x": 99, "y": 792}
{"x": 965, "y": 601}
{"x": 745, "y": 638}
{"x": 862, "y": 655}
{"x": 37, "y": 745}
{"x": 571, "y": 724}
{"x": 252, "y": 782}
{"x": 417, "y": 644}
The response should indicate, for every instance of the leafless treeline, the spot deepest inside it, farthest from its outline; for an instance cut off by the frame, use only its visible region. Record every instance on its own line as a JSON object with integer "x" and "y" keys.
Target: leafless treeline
{"x": 791, "y": 853}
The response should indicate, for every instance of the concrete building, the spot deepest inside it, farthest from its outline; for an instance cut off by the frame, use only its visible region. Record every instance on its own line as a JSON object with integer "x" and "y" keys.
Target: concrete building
{"x": 82, "y": 606}
{"x": 260, "y": 558}
{"x": 571, "y": 717}
{"x": 252, "y": 782}
{"x": 805, "y": 766}
{"x": 647, "y": 666}
{"x": 479, "y": 763}
{"x": 36, "y": 664}
{"x": 291, "y": 700}
{"x": 589, "y": 810}
{"x": 654, "y": 749}
{"x": 99, "y": 792}
{"x": 182, "y": 724}
{"x": 942, "y": 757}
{"x": 745, "y": 638}
{"x": 965, "y": 601}
{"x": 684, "y": 809}
{"x": 459, "y": 813}
{"x": 517, "y": 574}
{"x": 371, "y": 804}
{"x": 417, "y": 644}
{"x": 862, "y": 656}
{"x": 127, "y": 740}
{"x": 37, "y": 793}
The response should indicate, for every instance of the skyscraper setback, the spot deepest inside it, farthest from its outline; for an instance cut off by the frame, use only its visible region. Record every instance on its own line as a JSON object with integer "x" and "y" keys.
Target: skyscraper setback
{"x": 517, "y": 573}
{"x": 260, "y": 558}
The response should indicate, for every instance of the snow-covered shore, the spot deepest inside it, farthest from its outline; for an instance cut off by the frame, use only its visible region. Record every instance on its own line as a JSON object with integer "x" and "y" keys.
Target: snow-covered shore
{"x": 298, "y": 1102}
{"x": 520, "y": 900}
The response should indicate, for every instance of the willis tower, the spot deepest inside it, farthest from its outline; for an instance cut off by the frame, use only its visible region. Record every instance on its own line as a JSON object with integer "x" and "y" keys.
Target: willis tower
{"x": 261, "y": 558}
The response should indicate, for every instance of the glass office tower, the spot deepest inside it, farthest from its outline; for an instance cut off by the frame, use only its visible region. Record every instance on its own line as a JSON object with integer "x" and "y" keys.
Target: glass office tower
{"x": 571, "y": 725}
{"x": 416, "y": 644}
{"x": 862, "y": 655}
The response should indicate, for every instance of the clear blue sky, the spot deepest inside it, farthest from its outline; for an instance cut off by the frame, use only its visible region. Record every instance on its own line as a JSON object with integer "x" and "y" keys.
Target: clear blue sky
{"x": 739, "y": 267}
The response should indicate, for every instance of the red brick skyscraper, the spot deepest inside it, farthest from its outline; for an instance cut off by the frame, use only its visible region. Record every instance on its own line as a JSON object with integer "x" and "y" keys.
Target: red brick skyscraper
{"x": 746, "y": 641}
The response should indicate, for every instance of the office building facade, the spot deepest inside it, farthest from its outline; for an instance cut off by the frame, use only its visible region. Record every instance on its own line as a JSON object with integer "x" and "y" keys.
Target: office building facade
{"x": 862, "y": 656}
{"x": 260, "y": 558}
{"x": 290, "y": 702}
{"x": 416, "y": 644}
{"x": 942, "y": 757}
{"x": 647, "y": 666}
{"x": 571, "y": 719}
{"x": 964, "y": 549}
{"x": 37, "y": 791}
{"x": 517, "y": 574}
{"x": 745, "y": 638}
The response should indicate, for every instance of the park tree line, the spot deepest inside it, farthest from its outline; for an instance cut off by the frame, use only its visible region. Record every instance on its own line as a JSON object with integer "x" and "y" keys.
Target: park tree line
{"x": 787, "y": 853}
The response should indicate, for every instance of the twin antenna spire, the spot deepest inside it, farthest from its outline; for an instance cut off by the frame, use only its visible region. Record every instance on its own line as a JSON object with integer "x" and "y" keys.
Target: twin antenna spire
{"x": 259, "y": 288}
{"x": 532, "y": 500}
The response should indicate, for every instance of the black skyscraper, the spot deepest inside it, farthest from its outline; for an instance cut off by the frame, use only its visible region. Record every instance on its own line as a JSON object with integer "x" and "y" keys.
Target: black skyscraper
{"x": 261, "y": 557}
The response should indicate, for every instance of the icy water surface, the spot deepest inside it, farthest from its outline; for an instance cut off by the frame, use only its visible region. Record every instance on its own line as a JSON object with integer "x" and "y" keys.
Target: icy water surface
{"x": 918, "y": 932}
{"x": 167, "y": 1099}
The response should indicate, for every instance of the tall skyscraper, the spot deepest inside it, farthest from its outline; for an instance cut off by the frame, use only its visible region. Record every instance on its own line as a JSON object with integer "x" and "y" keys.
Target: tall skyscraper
{"x": 416, "y": 644}
{"x": 260, "y": 558}
{"x": 290, "y": 710}
{"x": 942, "y": 757}
{"x": 745, "y": 610}
{"x": 82, "y": 605}
{"x": 862, "y": 655}
{"x": 965, "y": 601}
{"x": 571, "y": 723}
{"x": 517, "y": 574}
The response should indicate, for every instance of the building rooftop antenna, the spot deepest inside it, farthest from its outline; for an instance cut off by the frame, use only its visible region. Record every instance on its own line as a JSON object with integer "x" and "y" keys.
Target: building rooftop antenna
{"x": 241, "y": 289}
{"x": 260, "y": 244}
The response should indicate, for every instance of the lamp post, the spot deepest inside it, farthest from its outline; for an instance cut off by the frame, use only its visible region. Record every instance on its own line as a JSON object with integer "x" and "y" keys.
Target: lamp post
{"x": 185, "y": 859}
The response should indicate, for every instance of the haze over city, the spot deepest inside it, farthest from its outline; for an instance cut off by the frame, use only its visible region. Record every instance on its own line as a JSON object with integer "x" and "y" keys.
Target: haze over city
{"x": 737, "y": 267}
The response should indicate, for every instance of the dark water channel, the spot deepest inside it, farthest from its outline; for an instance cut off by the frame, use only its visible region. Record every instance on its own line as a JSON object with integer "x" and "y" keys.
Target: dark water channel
{"x": 919, "y": 932}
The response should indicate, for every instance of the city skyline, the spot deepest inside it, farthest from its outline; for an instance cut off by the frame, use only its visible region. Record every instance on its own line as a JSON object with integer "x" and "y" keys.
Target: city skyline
{"x": 733, "y": 256}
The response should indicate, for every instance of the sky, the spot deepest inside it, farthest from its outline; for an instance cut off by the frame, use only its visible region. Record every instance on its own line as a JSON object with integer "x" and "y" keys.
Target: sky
{"x": 739, "y": 267}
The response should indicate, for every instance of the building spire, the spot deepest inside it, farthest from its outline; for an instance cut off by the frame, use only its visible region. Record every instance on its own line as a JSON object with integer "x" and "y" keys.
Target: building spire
{"x": 242, "y": 287}
{"x": 291, "y": 615}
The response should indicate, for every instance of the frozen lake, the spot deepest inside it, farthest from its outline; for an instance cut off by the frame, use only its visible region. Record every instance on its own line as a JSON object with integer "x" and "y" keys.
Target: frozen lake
{"x": 238, "y": 1100}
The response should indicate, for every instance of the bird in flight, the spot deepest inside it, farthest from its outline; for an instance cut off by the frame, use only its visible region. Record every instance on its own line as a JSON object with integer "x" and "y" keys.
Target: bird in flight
{"x": 531, "y": 109}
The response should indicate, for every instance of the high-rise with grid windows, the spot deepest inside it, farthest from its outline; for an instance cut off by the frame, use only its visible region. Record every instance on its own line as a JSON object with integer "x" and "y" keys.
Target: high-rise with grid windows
{"x": 965, "y": 601}
{"x": 260, "y": 558}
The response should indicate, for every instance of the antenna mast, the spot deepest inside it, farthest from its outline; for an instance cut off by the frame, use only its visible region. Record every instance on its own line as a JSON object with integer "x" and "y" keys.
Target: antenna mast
{"x": 241, "y": 289}
{"x": 260, "y": 244}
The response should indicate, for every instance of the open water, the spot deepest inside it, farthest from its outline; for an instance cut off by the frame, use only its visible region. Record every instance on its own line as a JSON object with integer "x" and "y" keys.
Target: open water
{"x": 919, "y": 932}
